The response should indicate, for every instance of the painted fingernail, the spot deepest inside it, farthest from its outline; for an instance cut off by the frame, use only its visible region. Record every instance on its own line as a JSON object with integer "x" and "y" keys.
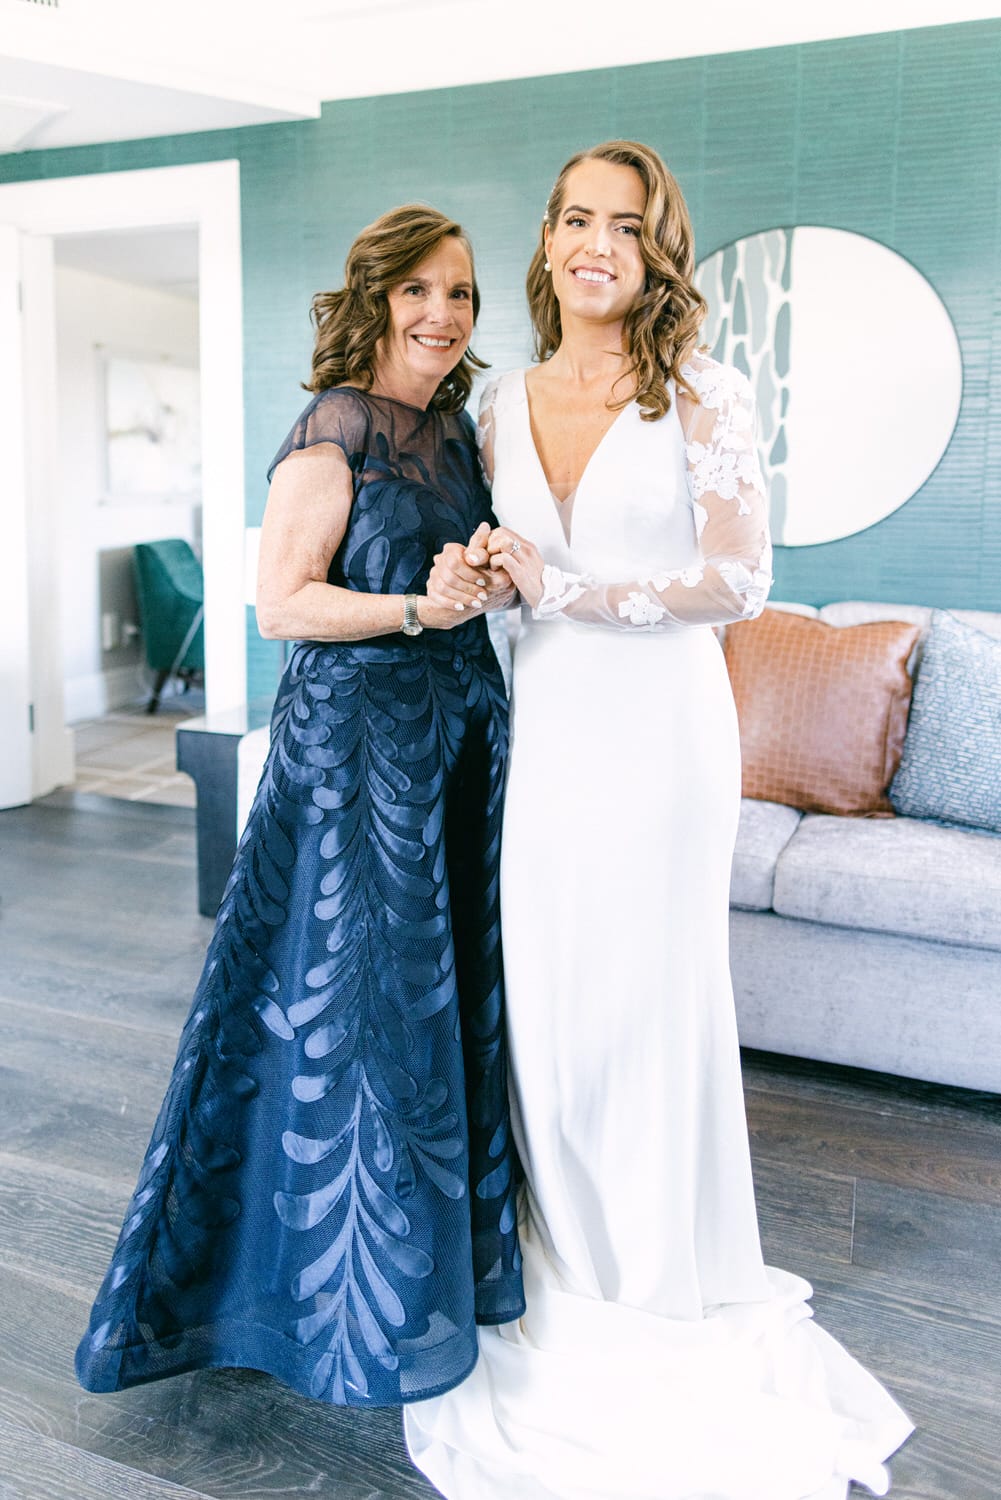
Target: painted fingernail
{"x": 482, "y": 597}
{"x": 459, "y": 606}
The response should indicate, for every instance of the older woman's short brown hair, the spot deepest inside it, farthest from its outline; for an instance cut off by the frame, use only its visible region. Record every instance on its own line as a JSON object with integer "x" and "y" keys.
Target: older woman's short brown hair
{"x": 350, "y": 323}
{"x": 662, "y": 327}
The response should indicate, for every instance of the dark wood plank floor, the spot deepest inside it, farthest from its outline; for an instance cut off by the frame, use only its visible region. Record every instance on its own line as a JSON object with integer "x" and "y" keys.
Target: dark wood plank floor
{"x": 885, "y": 1194}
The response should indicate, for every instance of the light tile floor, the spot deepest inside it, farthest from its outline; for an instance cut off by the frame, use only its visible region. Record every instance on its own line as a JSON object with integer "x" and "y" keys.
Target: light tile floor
{"x": 131, "y": 754}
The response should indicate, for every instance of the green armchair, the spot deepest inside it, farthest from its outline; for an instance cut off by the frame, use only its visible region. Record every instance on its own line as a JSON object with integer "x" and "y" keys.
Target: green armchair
{"x": 171, "y": 593}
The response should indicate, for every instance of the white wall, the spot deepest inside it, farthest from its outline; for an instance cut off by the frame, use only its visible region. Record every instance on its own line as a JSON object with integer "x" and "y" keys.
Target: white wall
{"x": 94, "y": 311}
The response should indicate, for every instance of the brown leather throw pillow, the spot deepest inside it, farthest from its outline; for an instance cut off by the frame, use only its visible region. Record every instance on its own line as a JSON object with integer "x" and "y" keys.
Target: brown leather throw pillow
{"x": 822, "y": 709}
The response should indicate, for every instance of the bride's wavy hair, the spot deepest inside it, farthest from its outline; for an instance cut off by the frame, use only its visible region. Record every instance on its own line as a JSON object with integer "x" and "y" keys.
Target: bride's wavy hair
{"x": 661, "y": 328}
{"x": 349, "y": 323}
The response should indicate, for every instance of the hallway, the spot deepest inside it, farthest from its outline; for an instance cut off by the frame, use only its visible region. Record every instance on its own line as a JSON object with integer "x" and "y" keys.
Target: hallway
{"x": 131, "y": 754}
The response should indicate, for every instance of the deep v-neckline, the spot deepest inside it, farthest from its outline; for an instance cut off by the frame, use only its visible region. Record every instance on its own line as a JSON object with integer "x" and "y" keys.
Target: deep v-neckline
{"x": 573, "y": 496}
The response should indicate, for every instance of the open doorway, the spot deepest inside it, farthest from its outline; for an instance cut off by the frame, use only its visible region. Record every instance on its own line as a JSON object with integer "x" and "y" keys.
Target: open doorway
{"x": 69, "y": 653}
{"x": 128, "y": 474}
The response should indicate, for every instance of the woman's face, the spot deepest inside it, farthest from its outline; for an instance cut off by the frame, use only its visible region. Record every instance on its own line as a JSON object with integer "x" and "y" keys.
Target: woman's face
{"x": 430, "y": 321}
{"x": 594, "y": 245}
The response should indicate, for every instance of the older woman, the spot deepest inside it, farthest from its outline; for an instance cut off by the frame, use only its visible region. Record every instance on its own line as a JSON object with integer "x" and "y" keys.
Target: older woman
{"x": 328, "y": 1194}
{"x": 659, "y": 1357}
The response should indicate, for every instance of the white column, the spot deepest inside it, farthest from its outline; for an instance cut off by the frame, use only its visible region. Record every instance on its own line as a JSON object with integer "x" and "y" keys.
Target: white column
{"x": 52, "y": 749}
{"x": 220, "y": 292}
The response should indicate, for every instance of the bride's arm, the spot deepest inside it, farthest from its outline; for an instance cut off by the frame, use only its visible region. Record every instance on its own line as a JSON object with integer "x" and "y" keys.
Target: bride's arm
{"x": 731, "y": 579}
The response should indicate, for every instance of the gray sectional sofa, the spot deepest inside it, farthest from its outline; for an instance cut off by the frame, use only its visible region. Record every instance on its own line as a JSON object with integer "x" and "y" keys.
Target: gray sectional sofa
{"x": 870, "y": 941}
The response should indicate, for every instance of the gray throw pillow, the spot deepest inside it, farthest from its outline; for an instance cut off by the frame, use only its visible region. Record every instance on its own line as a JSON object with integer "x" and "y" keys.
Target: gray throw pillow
{"x": 950, "y": 768}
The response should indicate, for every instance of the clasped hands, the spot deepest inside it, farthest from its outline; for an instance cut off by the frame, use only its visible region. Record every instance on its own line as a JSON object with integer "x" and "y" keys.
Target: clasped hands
{"x": 487, "y": 572}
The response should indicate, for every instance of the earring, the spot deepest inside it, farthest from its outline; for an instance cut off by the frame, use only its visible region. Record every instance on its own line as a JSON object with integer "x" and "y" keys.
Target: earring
{"x": 547, "y": 266}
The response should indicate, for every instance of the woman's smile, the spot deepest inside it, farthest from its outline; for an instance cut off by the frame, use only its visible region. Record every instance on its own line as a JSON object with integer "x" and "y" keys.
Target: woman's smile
{"x": 592, "y": 274}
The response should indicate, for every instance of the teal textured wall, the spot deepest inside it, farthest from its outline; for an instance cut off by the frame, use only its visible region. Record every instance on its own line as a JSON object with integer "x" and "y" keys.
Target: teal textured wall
{"x": 893, "y": 136}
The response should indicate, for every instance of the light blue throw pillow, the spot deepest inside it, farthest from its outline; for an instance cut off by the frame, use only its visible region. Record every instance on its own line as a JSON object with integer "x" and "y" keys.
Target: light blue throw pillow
{"x": 951, "y": 765}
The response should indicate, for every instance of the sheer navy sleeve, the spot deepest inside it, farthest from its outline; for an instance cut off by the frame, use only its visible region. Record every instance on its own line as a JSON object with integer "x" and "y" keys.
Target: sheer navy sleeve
{"x": 339, "y": 415}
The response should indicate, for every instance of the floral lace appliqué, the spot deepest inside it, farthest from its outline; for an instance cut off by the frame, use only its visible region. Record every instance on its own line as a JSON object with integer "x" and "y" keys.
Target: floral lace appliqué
{"x": 639, "y": 609}
{"x": 558, "y": 590}
{"x": 689, "y": 578}
{"x": 721, "y": 471}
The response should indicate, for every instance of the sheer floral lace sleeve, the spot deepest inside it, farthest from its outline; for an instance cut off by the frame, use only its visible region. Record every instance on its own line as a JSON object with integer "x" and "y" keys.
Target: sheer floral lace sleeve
{"x": 485, "y": 431}
{"x": 732, "y": 577}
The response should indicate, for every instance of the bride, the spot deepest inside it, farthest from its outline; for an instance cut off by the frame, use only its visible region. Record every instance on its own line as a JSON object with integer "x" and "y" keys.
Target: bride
{"x": 659, "y": 1357}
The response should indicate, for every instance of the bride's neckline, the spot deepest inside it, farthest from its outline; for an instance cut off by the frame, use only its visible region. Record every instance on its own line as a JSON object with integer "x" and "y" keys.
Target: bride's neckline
{"x": 567, "y": 499}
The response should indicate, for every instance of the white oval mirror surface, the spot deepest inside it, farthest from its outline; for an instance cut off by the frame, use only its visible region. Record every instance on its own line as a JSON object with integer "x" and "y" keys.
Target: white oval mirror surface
{"x": 855, "y": 364}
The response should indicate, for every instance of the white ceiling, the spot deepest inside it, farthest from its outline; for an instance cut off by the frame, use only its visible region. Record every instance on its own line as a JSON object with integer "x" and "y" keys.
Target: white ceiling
{"x": 166, "y": 259}
{"x": 43, "y": 104}
{"x": 80, "y": 71}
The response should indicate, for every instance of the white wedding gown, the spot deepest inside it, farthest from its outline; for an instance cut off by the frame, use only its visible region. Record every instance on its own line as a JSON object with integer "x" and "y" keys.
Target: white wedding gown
{"x": 658, "y": 1357}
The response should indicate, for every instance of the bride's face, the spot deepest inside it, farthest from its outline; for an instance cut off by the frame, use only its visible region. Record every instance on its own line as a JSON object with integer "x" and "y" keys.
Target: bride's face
{"x": 594, "y": 245}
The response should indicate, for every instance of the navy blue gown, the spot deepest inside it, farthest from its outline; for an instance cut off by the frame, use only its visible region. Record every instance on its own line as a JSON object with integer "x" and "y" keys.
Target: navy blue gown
{"x": 329, "y": 1192}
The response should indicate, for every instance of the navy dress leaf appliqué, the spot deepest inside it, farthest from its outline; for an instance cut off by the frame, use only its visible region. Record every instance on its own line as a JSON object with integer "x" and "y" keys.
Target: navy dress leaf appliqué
{"x": 328, "y": 1194}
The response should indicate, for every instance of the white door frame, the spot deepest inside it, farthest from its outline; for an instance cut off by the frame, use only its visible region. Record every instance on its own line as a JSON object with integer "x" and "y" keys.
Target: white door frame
{"x": 207, "y": 197}
{"x": 16, "y": 702}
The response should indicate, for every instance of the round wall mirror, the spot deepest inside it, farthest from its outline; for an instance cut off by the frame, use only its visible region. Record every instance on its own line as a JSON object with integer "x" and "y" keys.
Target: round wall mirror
{"x": 855, "y": 364}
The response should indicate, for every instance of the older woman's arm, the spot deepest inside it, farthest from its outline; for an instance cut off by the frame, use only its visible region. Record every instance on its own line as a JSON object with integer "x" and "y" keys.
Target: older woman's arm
{"x": 304, "y": 523}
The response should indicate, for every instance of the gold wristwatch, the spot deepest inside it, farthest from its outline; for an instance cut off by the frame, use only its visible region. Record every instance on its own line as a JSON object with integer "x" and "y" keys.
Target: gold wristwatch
{"x": 411, "y": 624}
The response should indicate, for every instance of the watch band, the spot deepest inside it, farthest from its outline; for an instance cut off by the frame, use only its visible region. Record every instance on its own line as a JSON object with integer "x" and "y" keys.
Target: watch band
{"x": 411, "y": 624}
